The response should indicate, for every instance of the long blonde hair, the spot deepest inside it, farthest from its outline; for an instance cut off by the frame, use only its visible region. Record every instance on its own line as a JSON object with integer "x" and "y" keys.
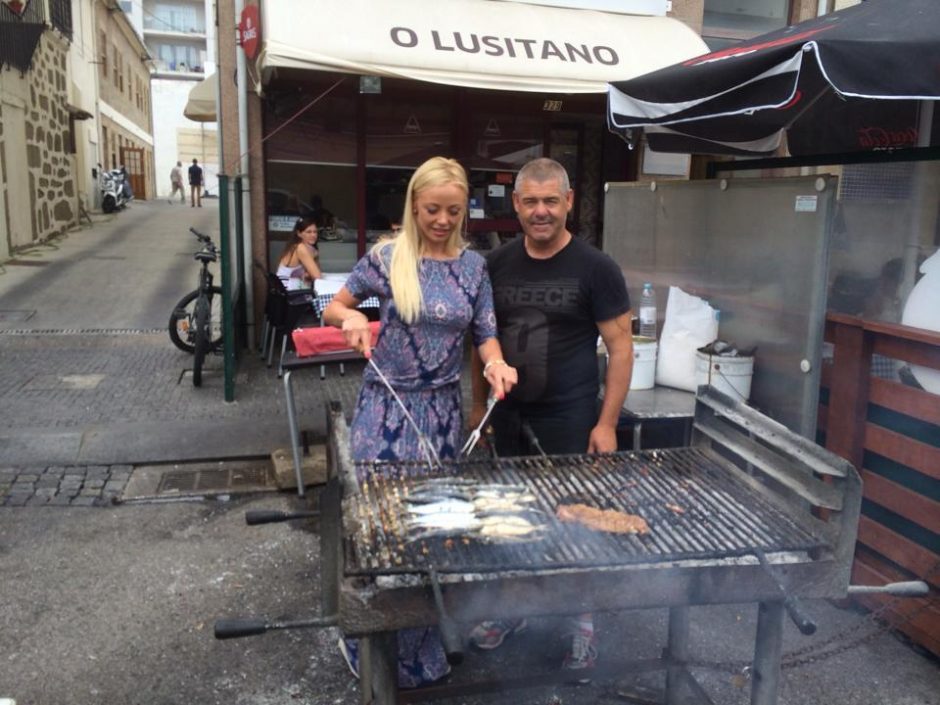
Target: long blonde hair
{"x": 408, "y": 245}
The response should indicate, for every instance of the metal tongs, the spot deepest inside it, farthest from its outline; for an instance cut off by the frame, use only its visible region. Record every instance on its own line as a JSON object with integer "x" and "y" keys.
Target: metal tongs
{"x": 474, "y": 436}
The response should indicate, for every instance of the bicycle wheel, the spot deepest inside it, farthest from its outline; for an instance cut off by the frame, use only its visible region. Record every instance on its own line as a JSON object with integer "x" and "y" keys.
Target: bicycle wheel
{"x": 201, "y": 339}
{"x": 182, "y": 325}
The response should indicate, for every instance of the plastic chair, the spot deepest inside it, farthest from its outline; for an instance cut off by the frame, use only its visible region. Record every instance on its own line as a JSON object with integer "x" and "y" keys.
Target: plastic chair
{"x": 285, "y": 310}
{"x": 275, "y": 312}
{"x": 270, "y": 302}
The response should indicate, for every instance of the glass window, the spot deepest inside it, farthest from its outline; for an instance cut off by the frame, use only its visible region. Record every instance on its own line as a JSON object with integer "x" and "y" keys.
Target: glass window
{"x": 177, "y": 57}
{"x": 325, "y": 133}
{"x": 504, "y": 141}
{"x": 736, "y": 21}
{"x": 326, "y": 192}
{"x": 386, "y": 189}
{"x": 103, "y": 43}
{"x": 491, "y": 194}
{"x": 406, "y": 132}
{"x": 871, "y": 275}
{"x": 169, "y": 17}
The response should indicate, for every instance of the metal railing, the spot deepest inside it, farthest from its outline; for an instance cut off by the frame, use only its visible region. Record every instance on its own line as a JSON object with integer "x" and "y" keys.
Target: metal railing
{"x": 60, "y": 16}
{"x": 20, "y": 34}
{"x": 185, "y": 25}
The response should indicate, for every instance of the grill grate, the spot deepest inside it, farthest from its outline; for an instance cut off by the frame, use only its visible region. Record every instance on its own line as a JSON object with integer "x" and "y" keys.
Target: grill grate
{"x": 721, "y": 516}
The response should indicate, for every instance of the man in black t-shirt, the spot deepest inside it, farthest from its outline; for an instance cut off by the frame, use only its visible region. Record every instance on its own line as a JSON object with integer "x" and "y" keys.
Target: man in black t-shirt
{"x": 195, "y": 184}
{"x": 553, "y": 295}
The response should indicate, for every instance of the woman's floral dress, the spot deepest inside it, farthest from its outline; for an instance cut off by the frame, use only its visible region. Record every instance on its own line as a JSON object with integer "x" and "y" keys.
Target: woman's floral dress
{"x": 422, "y": 361}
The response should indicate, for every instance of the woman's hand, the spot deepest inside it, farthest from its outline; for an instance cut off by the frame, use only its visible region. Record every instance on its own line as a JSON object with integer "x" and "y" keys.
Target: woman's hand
{"x": 357, "y": 333}
{"x": 501, "y": 377}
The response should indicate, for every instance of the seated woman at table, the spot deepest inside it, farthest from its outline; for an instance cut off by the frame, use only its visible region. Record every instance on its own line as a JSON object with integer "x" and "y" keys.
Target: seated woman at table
{"x": 299, "y": 263}
{"x": 432, "y": 291}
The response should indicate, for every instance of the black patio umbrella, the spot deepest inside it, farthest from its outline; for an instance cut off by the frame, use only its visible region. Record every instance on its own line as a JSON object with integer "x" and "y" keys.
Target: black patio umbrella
{"x": 853, "y": 80}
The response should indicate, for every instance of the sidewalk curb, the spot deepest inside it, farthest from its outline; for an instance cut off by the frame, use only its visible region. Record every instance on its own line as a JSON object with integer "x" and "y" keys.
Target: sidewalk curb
{"x": 145, "y": 442}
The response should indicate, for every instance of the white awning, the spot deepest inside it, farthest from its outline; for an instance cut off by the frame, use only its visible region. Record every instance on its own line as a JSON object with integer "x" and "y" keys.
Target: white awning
{"x": 472, "y": 43}
{"x": 201, "y": 106}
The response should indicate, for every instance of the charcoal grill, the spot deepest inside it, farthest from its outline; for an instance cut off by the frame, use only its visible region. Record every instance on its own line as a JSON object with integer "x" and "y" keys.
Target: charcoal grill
{"x": 749, "y": 512}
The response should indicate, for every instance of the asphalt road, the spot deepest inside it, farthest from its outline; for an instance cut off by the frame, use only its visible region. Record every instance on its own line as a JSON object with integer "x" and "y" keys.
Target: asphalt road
{"x": 126, "y": 272}
{"x": 116, "y": 605}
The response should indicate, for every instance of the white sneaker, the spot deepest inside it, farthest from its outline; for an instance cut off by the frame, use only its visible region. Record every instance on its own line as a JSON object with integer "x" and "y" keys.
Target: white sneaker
{"x": 582, "y": 655}
{"x": 492, "y": 633}
{"x": 350, "y": 651}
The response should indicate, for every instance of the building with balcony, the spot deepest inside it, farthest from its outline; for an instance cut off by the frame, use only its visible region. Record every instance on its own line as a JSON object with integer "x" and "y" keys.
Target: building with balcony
{"x": 124, "y": 104}
{"x": 180, "y": 36}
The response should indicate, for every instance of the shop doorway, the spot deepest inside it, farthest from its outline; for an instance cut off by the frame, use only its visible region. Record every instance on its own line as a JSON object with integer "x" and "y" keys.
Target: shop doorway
{"x": 133, "y": 160}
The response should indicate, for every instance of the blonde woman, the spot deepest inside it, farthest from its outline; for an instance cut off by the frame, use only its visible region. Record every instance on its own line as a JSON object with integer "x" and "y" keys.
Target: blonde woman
{"x": 432, "y": 292}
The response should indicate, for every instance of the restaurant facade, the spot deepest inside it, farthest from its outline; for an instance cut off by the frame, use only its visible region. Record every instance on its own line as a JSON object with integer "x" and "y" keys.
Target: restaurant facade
{"x": 341, "y": 100}
{"x": 345, "y": 116}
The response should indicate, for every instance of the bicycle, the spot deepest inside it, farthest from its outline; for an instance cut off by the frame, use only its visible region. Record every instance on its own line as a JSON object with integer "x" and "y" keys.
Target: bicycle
{"x": 196, "y": 322}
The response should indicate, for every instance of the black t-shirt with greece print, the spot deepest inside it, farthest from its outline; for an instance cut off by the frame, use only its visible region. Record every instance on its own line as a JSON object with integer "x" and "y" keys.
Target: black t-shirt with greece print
{"x": 547, "y": 312}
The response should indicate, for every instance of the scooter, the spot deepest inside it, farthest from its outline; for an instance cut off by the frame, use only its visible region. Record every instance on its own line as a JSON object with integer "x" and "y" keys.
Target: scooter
{"x": 115, "y": 189}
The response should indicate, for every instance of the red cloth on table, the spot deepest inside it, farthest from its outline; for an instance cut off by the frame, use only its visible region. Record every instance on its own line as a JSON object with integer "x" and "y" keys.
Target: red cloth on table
{"x": 325, "y": 340}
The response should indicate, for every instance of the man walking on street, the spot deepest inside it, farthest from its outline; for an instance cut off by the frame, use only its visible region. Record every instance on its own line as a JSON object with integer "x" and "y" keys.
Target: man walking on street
{"x": 195, "y": 184}
{"x": 553, "y": 294}
{"x": 176, "y": 181}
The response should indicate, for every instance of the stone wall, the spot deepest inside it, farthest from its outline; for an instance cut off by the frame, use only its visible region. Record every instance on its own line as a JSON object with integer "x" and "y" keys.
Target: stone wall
{"x": 46, "y": 181}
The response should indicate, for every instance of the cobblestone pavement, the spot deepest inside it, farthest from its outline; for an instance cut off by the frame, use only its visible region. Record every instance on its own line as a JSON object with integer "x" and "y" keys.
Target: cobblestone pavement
{"x": 70, "y": 380}
{"x": 57, "y": 486}
{"x": 90, "y": 383}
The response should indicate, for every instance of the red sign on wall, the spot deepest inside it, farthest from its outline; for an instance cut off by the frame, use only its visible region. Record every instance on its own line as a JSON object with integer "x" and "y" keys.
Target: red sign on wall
{"x": 17, "y": 7}
{"x": 249, "y": 31}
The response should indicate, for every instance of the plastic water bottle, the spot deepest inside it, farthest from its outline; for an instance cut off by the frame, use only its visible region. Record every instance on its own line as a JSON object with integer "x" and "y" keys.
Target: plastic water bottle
{"x": 648, "y": 311}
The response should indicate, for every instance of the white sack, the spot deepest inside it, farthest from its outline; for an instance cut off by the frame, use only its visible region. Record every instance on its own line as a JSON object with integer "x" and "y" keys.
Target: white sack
{"x": 690, "y": 323}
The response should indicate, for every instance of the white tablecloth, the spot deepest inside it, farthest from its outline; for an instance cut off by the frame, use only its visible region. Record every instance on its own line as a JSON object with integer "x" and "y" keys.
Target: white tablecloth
{"x": 331, "y": 283}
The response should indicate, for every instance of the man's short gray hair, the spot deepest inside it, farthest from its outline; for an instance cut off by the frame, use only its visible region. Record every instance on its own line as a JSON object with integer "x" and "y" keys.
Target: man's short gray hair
{"x": 542, "y": 170}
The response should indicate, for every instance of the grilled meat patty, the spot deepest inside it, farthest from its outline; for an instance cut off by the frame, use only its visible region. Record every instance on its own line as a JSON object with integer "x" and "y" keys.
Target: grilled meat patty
{"x": 609, "y": 520}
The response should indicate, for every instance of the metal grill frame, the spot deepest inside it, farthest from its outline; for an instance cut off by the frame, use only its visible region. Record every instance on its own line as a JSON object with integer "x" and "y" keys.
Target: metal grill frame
{"x": 720, "y": 516}
{"x": 814, "y": 488}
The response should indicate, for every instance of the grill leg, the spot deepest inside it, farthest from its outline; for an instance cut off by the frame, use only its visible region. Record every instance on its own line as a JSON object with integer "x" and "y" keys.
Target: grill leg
{"x": 365, "y": 671}
{"x": 330, "y": 546}
{"x": 382, "y": 650}
{"x": 678, "y": 646}
{"x": 294, "y": 432}
{"x": 768, "y": 647}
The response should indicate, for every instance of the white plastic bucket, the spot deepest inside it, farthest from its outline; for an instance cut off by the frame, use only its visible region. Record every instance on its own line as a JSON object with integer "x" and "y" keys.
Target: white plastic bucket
{"x": 644, "y": 363}
{"x": 731, "y": 375}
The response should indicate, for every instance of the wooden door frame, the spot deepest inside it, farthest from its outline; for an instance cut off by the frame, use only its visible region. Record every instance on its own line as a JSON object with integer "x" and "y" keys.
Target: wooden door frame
{"x": 138, "y": 180}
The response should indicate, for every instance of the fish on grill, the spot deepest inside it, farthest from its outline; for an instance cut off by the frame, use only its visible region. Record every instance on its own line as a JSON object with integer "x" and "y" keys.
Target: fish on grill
{"x": 498, "y": 502}
{"x": 452, "y": 507}
{"x": 510, "y": 528}
{"x": 448, "y": 505}
{"x": 608, "y": 520}
{"x": 442, "y": 525}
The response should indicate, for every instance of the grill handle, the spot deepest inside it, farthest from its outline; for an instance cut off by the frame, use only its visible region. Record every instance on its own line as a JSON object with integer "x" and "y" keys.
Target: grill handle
{"x": 909, "y": 588}
{"x": 252, "y": 626}
{"x": 450, "y": 631}
{"x": 792, "y": 604}
{"x": 254, "y": 517}
{"x": 803, "y": 621}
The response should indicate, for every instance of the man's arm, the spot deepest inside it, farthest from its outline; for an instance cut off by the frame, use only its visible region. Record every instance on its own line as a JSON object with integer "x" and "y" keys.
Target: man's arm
{"x": 618, "y": 337}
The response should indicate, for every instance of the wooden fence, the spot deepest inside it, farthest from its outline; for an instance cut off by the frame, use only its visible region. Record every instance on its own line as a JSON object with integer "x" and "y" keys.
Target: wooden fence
{"x": 890, "y": 431}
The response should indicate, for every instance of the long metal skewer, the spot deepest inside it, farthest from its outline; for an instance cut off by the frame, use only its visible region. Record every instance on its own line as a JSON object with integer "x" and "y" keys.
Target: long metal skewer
{"x": 429, "y": 451}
